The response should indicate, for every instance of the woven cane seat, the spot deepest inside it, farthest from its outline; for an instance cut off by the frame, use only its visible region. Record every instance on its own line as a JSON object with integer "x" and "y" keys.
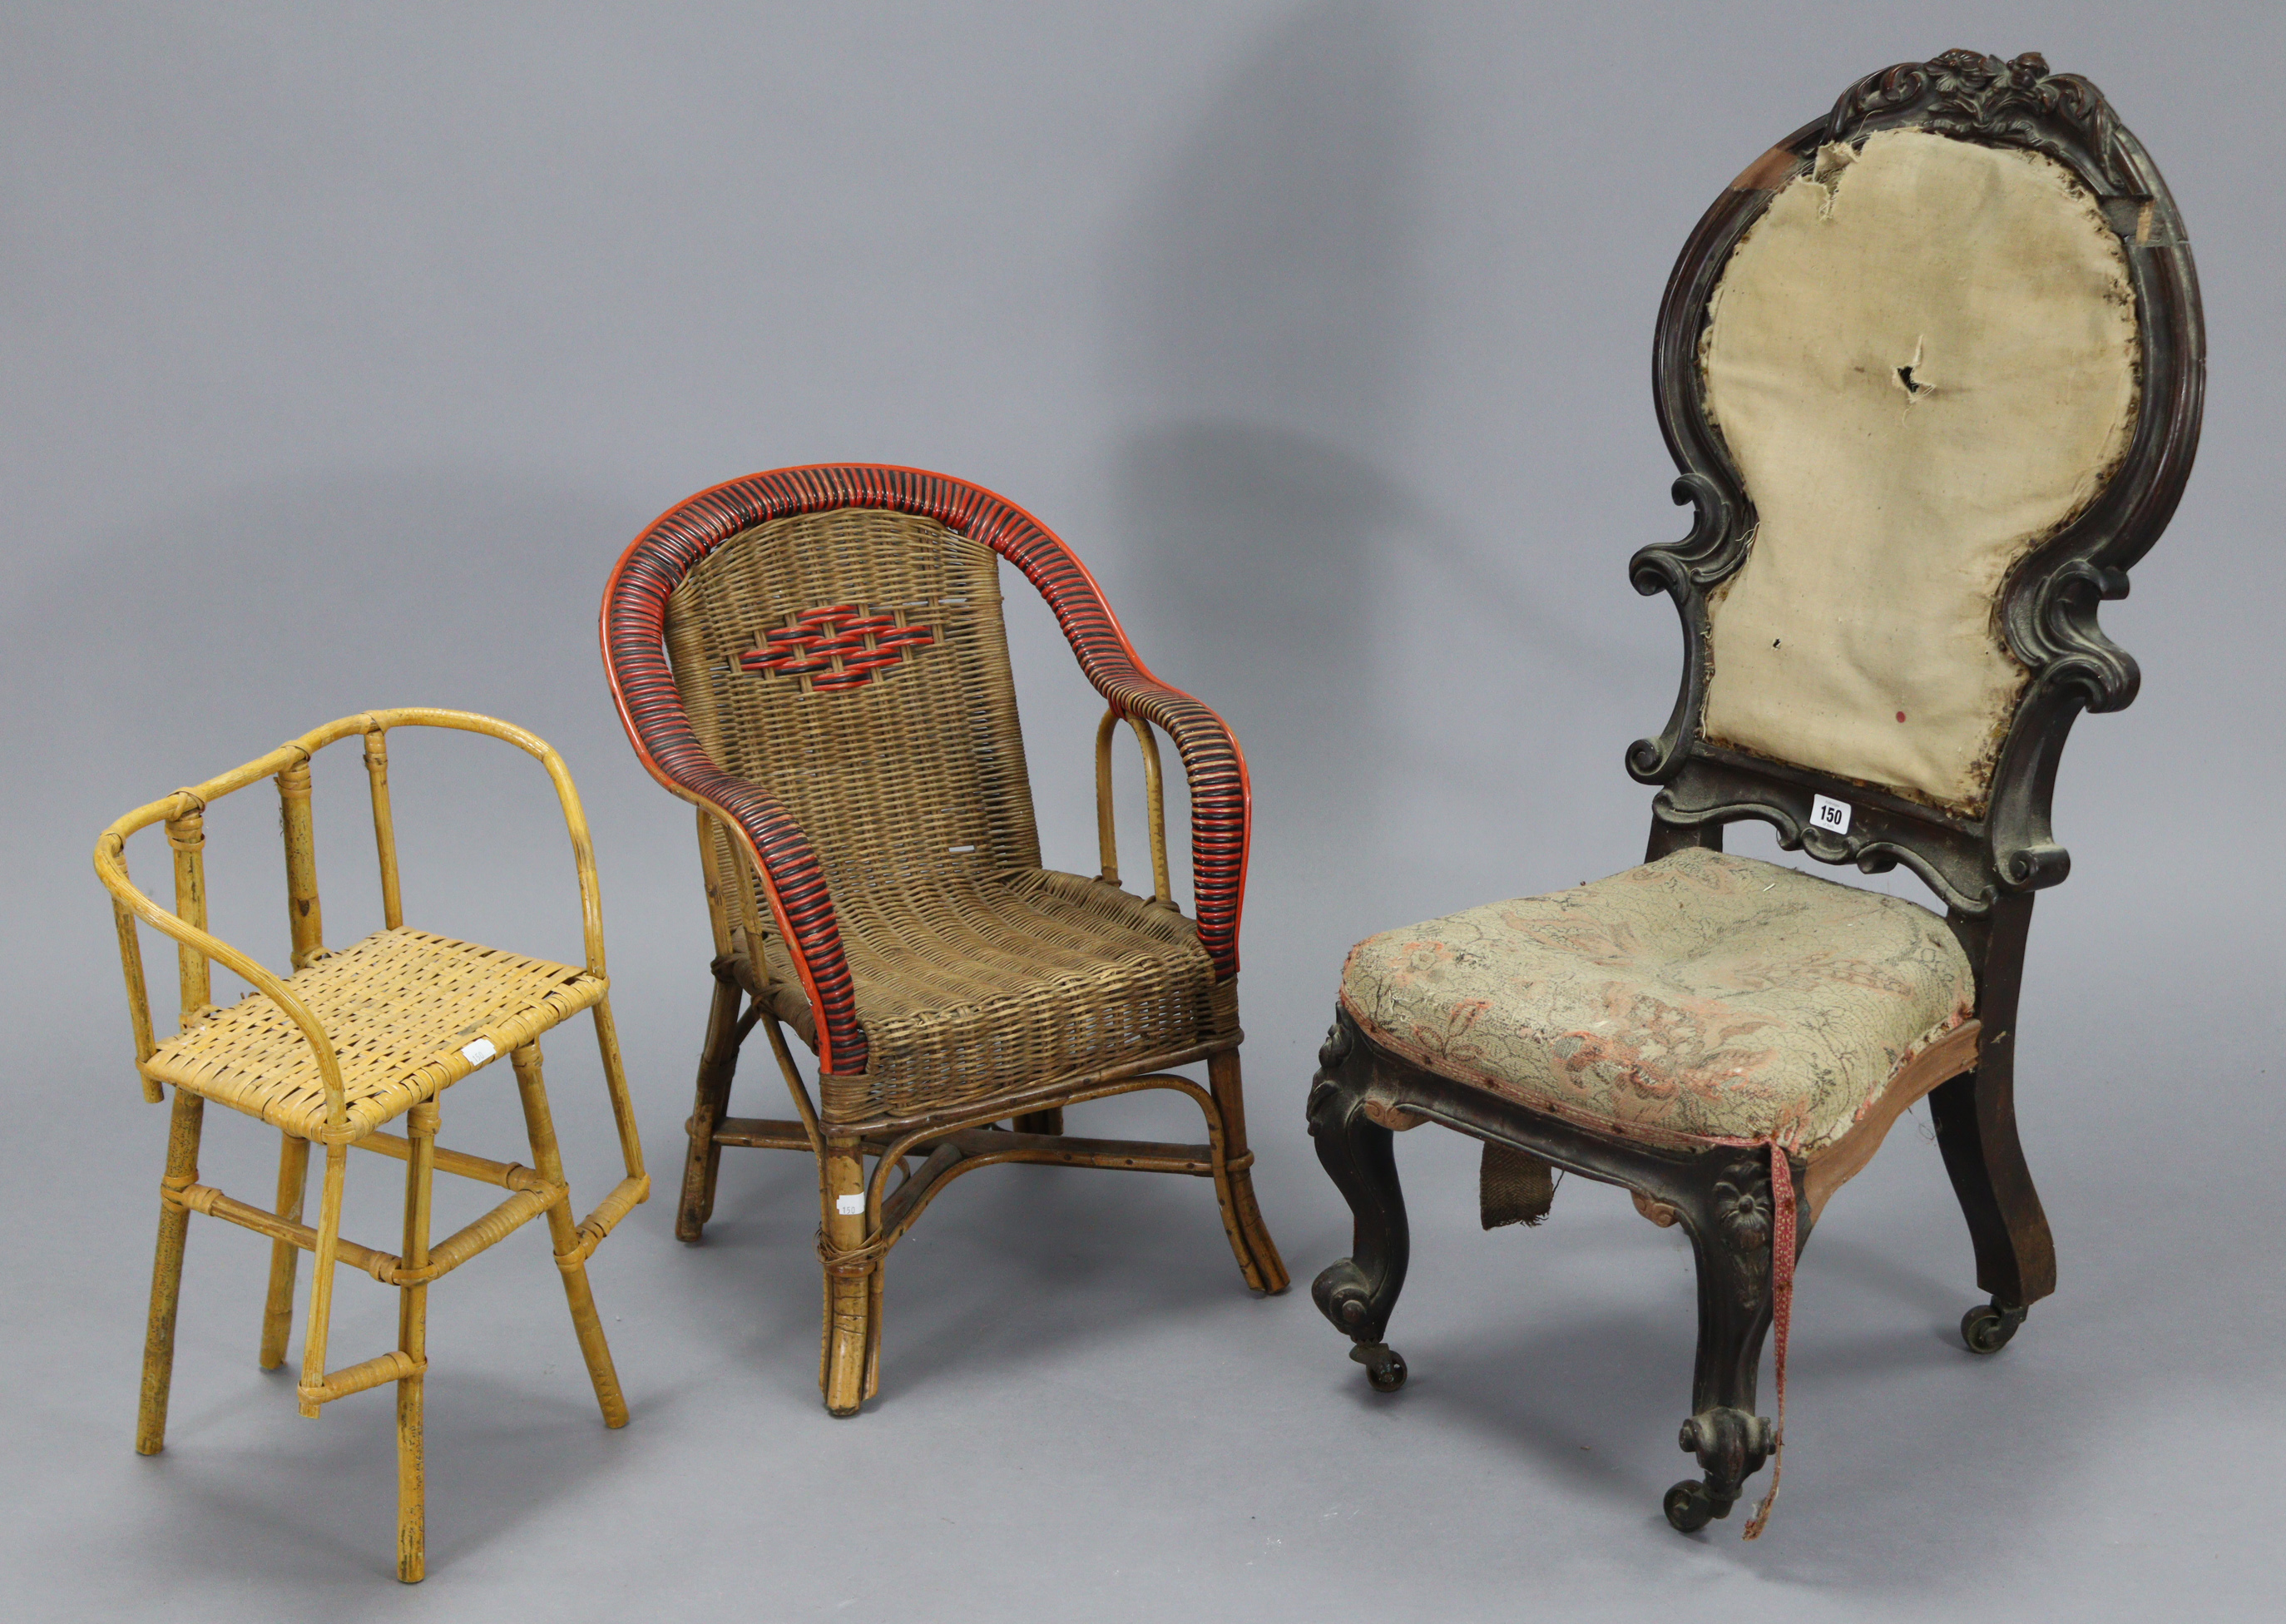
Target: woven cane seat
{"x": 400, "y": 1007}
{"x": 1702, "y": 997}
{"x": 967, "y": 986}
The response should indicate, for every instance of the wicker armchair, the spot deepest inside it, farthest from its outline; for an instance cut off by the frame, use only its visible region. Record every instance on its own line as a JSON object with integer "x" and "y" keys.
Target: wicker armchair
{"x": 815, "y": 659}
{"x": 1932, "y": 369}
{"x": 353, "y": 1039}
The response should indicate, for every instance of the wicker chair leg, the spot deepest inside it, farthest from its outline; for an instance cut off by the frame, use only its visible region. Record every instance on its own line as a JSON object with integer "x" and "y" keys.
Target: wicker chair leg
{"x": 321, "y": 1276}
{"x": 166, "y": 1273}
{"x": 1049, "y": 1121}
{"x": 421, "y": 1125}
{"x": 278, "y": 1314}
{"x": 1257, "y": 1253}
{"x": 850, "y": 1371}
{"x": 548, "y": 1161}
{"x": 718, "y": 1063}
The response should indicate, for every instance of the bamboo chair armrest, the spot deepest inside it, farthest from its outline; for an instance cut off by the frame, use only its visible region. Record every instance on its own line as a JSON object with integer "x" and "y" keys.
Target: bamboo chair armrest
{"x": 567, "y": 794}
{"x": 110, "y": 867}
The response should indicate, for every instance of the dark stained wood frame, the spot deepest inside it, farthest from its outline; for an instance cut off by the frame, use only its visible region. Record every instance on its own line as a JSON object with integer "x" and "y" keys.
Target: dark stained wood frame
{"x": 1984, "y": 863}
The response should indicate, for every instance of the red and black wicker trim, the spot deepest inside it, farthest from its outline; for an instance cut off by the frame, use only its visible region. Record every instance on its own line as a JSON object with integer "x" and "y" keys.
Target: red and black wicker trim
{"x": 634, "y": 629}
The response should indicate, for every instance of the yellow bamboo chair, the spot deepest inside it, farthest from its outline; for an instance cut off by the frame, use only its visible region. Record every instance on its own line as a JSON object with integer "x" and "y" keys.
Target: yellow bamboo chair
{"x": 346, "y": 1043}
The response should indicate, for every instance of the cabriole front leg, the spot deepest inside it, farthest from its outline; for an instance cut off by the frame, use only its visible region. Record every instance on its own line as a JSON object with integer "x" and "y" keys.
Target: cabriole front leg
{"x": 1728, "y": 1215}
{"x": 1359, "y": 1292}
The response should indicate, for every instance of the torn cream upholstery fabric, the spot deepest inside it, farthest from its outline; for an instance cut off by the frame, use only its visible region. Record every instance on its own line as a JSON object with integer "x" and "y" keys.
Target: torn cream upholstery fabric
{"x": 1701, "y": 997}
{"x": 1923, "y": 358}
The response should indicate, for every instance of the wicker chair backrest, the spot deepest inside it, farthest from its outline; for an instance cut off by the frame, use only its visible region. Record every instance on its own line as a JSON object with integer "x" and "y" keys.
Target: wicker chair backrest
{"x": 853, "y": 663}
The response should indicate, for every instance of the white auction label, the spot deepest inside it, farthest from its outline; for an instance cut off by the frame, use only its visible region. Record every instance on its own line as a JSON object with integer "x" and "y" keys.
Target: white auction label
{"x": 477, "y": 1052}
{"x": 850, "y": 1206}
{"x": 1831, "y": 815}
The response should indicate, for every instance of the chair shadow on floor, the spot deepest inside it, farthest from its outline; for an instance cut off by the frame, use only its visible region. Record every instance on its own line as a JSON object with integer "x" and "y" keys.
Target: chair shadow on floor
{"x": 1524, "y": 1384}
{"x": 317, "y": 1504}
{"x": 1052, "y": 1261}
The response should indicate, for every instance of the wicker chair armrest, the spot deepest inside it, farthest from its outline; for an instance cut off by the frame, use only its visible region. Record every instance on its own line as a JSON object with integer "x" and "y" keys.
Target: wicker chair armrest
{"x": 1222, "y": 796}
{"x": 793, "y": 878}
{"x": 1221, "y": 800}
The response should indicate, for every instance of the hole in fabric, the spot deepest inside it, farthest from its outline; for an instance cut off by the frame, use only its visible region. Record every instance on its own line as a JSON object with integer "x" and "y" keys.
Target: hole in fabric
{"x": 1914, "y": 387}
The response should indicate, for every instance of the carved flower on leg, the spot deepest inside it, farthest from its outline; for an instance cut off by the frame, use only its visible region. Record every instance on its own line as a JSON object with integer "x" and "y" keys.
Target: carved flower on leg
{"x": 1742, "y": 1208}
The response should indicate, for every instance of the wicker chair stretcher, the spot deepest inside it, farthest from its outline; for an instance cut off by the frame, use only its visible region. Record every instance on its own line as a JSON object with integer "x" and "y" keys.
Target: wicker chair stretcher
{"x": 348, "y": 1041}
{"x": 816, "y": 659}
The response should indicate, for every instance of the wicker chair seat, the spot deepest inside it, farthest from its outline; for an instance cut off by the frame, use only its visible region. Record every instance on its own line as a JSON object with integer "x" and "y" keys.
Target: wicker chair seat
{"x": 400, "y": 1006}
{"x": 1701, "y": 996}
{"x": 968, "y": 986}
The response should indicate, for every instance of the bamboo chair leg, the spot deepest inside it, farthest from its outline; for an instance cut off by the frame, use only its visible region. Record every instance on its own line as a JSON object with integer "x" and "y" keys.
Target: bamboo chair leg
{"x": 166, "y": 1273}
{"x": 615, "y": 1084}
{"x": 849, "y": 1370}
{"x": 548, "y": 1161}
{"x": 321, "y": 1275}
{"x": 1257, "y": 1253}
{"x": 278, "y": 1315}
{"x": 718, "y": 1063}
{"x": 413, "y": 1337}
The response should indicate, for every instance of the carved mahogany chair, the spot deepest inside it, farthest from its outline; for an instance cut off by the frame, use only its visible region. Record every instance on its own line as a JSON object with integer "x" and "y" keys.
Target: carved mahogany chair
{"x": 1931, "y": 368}
{"x": 353, "y": 1038}
{"x": 815, "y": 659}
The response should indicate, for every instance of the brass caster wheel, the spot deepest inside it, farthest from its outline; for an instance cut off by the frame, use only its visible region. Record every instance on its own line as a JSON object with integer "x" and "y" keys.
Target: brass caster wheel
{"x": 1689, "y": 1506}
{"x": 1384, "y": 1366}
{"x": 1987, "y": 1329}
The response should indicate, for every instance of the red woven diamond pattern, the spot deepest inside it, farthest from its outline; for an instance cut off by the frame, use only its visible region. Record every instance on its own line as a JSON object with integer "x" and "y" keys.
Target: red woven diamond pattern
{"x": 837, "y": 647}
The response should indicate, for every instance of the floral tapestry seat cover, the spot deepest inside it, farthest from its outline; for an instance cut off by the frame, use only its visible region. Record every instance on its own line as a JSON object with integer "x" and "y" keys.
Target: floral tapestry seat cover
{"x": 1702, "y": 997}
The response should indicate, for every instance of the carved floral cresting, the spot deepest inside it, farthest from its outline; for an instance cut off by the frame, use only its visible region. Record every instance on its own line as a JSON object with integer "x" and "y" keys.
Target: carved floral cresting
{"x": 1968, "y": 94}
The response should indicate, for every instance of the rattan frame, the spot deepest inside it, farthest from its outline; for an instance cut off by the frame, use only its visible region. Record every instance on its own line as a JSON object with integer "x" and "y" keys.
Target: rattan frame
{"x": 270, "y": 1079}
{"x": 774, "y": 868}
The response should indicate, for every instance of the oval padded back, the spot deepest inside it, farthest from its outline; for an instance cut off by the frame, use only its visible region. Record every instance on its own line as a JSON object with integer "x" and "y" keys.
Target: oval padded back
{"x": 1924, "y": 360}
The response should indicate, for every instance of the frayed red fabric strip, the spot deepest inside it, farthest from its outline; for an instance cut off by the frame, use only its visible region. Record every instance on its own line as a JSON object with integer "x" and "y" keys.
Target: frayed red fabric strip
{"x": 1782, "y": 1250}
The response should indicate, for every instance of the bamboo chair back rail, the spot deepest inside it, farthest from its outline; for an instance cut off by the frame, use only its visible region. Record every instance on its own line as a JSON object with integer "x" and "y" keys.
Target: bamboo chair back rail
{"x": 197, "y": 950}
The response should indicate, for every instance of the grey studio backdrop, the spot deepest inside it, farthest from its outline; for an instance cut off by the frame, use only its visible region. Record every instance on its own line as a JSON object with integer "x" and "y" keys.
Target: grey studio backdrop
{"x": 346, "y": 346}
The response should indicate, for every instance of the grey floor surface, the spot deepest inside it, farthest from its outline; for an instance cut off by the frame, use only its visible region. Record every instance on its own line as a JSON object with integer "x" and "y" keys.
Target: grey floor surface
{"x": 345, "y": 347}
